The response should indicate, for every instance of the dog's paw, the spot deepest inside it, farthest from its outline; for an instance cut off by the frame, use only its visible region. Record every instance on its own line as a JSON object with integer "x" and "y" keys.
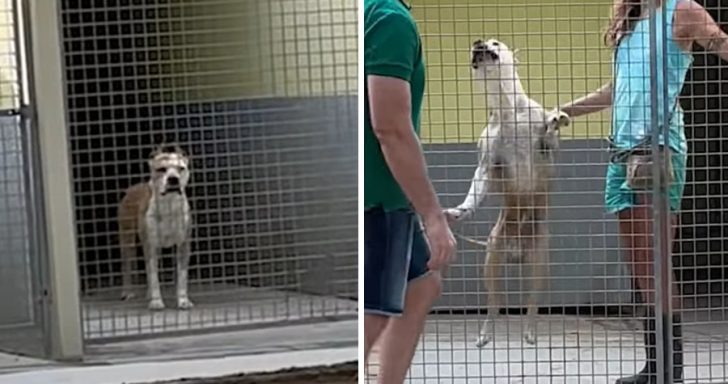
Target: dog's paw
{"x": 156, "y": 304}
{"x": 556, "y": 119}
{"x": 458, "y": 214}
{"x": 127, "y": 296}
{"x": 184, "y": 303}
{"x": 563, "y": 120}
{"x": 483, "y": 340}
{"x": 529, "y": 337}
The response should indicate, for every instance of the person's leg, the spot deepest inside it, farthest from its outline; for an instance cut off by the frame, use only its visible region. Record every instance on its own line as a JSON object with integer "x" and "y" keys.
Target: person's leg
{"x": 400, "y": 338}
{"x": 636, "y": 230}
{"x": 373, "y": 327}
{"x": 635, "y": 226}
{"x": 387, "y": 254}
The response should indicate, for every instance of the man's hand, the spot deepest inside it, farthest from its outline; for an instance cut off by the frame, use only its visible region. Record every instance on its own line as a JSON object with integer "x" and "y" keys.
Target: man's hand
{"x": 455, "y": 215}
{"x": 440, "y": 240}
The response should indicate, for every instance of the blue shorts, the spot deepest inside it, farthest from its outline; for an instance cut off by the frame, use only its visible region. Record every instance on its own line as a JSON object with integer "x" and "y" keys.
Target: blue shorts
{"x": 395, "y": 253}
{"x": 618, "y": 196}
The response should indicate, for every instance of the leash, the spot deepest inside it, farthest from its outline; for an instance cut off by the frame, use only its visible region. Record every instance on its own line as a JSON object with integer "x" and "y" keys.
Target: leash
{"x": 470, "y": 239}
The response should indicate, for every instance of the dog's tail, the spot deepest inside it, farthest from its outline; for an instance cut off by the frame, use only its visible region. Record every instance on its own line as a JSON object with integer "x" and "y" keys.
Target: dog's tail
{"x": 127, "y": 223}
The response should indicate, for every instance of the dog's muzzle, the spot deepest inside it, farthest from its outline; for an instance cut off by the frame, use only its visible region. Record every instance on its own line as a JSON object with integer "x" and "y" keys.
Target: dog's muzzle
{"x": 480, "y": 53}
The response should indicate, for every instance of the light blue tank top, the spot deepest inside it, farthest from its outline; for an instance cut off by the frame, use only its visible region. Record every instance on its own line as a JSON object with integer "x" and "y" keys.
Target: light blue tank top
{"x": 632, "y": 103}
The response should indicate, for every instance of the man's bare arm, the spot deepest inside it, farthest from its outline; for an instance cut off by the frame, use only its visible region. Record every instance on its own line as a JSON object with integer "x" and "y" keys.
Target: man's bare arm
{"x": 594, "y": 102}
{"x": 390, "y": 111}
{"x": 694, "y": 23}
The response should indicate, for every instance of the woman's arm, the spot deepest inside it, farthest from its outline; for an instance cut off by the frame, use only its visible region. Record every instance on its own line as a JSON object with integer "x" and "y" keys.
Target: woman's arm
{"x": 594, "y": 102}
{"x": 694, "y": 23}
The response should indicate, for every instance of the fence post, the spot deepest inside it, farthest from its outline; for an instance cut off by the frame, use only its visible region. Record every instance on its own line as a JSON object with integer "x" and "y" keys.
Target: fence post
{"x": 48, "y": 102}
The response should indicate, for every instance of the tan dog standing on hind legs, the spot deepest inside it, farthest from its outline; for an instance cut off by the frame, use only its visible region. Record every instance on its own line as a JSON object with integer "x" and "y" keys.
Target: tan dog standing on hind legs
{"x": 158, "y": 214}
{"x": 516, "y": 153}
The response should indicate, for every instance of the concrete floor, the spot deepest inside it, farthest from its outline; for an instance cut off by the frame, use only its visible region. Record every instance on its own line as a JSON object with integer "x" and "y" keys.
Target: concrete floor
{"x": 569, "y": 349}
{"x": 106, "y": 316}
{"x": 196, "y": 356}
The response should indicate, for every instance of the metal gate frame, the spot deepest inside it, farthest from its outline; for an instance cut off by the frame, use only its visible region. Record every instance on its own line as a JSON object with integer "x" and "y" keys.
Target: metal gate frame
{"x": 47, "y": 153}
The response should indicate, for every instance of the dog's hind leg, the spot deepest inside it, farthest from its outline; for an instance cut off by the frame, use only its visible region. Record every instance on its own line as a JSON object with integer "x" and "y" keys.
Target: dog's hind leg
{"x": 127, "y": 243}
{"x": 151, "y": 254}
{"x": 183, "y": 264}
{"x": 493, "y": 282}
{"x": 538, "y": 259}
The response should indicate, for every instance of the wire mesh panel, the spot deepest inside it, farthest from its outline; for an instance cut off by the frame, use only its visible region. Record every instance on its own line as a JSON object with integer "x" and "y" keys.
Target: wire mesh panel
{"x": 260, "y": 96}
{"x": 590, "y": 321}
{"x": 21, "y": 320}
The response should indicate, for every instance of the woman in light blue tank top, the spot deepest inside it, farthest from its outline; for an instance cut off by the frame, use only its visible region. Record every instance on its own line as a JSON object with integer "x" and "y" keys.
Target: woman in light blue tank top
{"x": 682, "y": 23}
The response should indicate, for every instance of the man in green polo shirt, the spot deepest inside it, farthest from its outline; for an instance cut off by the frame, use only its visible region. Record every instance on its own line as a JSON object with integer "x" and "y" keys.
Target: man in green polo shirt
{"x": 401, "y": 263}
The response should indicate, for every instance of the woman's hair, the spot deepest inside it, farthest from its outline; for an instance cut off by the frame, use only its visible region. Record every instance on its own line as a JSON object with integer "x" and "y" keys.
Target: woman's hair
{"x": 625, "y": 15}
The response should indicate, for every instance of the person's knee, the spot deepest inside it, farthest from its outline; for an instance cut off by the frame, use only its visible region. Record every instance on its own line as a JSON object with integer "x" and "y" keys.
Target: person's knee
{"x": 373, "y": 323}
{"x": 434, "y": 286}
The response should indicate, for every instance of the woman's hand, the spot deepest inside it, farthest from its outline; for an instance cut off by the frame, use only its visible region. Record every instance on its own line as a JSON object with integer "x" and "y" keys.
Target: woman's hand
{"x": 596, "y": 101}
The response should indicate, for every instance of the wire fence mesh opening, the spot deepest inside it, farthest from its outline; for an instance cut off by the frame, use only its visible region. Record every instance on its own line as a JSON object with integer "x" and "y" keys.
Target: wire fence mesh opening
{"x": 589, "y": 324}
{"x": 262, "y": 96}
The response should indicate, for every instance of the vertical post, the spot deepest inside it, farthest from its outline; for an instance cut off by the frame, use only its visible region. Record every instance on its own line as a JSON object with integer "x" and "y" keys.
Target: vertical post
{"x": 660, "y": 203}
{"x": 48, "y": 101}
{"x": 665, "y": 260}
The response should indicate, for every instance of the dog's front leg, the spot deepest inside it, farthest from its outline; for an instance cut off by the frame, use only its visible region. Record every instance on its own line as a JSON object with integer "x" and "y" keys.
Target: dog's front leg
{"x": 475, "y": 195}
{"x": 183, "y": 263}
{"x": 155, "y": 293}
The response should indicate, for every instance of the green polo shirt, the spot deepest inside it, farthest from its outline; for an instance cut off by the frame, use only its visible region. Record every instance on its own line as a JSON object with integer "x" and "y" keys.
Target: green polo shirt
{"x": 392, "y": 48}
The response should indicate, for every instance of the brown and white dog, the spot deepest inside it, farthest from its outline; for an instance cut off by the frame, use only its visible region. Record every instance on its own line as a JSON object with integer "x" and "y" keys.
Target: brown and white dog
{"x": 157, "y": 212}
{"x": 515, "y": 159}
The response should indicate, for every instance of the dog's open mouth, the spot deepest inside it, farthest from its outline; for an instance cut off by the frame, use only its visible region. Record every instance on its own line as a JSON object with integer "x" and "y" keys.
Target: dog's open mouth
{"x": 169, "y": 190}
{"x": 480, "y": 54}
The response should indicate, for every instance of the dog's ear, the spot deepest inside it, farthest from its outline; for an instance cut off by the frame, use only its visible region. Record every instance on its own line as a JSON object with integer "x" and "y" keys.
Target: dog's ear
{"x": 178, "y": 150}
{"x": 515, "y": 58}
{"x": 155, "y": 152}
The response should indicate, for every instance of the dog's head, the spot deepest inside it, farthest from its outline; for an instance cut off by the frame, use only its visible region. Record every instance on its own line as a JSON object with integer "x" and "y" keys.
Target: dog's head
{"x": 169, "y": 166}
{"x": 491, "y": 54}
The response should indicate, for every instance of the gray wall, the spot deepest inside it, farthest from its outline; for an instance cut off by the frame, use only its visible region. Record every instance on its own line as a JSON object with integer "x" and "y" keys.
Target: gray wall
{"x": 585, "y": 266}
{"x": 273, "y": 190}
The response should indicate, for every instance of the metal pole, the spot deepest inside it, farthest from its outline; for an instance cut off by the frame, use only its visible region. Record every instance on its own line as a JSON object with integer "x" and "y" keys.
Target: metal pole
{"x": 37, "y": 247}
{"x": 656, "y": 193}
{"x": 660, "y": 205}
{"x": 664, "y": 210}
{"x": 46, "y": 78}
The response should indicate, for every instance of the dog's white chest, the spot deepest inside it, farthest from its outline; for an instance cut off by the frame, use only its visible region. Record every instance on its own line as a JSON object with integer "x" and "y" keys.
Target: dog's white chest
{"x": 168, "y": 220}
